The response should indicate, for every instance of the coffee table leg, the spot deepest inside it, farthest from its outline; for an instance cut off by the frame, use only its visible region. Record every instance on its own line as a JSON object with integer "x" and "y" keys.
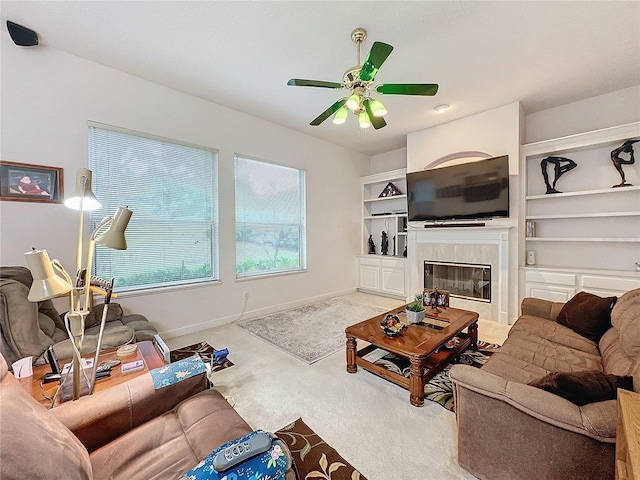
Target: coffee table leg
{"x": 416, "y": 384}
{"x": 473, "y": 335}
{"x": 351, "y": 355}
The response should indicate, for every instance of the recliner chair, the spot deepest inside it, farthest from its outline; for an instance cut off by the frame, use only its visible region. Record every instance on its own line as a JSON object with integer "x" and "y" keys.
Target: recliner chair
{"x": 127, "y": 432}
{"x": 28, "y": 328}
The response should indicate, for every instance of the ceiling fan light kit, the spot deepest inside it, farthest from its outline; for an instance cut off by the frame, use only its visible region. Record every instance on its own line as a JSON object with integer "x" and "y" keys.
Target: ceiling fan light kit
{"x": 359, "y": 81}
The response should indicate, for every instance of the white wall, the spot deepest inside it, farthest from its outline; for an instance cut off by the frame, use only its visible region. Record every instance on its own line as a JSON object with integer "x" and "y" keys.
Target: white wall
{"x": 609, "y": 110}
{"x": 385, "y": 162}
{"x": 48, "y": 96}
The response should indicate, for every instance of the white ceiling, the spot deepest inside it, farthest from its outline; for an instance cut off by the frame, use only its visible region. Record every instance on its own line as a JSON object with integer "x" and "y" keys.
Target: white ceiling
{"x": 240, "y": 54}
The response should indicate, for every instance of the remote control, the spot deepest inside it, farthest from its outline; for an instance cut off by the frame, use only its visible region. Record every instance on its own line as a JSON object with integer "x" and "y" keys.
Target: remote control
{"x": 241, "y": 451}
{"x": 103, "y": 367}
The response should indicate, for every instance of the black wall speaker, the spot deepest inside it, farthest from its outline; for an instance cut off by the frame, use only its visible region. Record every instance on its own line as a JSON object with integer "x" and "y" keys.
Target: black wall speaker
{"x": 22, "y": 36}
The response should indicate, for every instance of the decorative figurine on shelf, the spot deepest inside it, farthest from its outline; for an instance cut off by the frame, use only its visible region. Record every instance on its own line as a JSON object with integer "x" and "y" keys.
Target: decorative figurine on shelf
{"x": 372, "y": 246}
{"x": 385, "y": 243}
{"x": 394, "y": 246}
{"x": 561, "y": 165}
{"x": 390, "y": 191}
{"x": 627, "y": 147}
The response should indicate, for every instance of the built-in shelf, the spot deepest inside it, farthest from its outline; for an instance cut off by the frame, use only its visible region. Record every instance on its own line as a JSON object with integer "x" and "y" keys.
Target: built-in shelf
{"x": 559, "y": 239}
{"x": 583, "y": 192}
{"x": 385, "y": 199}
{"x": 590, "y": 224}
{"x": 583, "y": 215}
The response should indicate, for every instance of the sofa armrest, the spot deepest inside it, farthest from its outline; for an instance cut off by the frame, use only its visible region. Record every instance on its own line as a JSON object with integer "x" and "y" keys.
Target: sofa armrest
{"x": 596, "y": 420}
{"x": 539, "y": 307}
{"x": 99, "y": 418}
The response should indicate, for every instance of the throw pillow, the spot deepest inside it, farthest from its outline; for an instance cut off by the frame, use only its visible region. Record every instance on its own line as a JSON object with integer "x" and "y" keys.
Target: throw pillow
{"x": 585, "y": 387}
{"x": 588, "y": 315}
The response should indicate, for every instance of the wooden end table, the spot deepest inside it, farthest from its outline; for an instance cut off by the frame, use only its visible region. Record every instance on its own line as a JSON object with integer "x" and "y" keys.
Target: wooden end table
{"x": 421, "y": 343}
{"x": 146, "y": 351}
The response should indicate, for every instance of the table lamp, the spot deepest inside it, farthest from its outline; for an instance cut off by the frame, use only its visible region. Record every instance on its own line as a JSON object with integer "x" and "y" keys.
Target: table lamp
{"x": 46, "y": 284}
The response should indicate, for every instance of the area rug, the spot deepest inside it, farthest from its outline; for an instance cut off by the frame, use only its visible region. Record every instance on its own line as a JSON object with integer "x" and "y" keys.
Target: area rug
{"x": 312, "y": 332}
{"x": 206, "y": 353}
{"x": 439, "y": 389}
{"x": 313, "y": 457}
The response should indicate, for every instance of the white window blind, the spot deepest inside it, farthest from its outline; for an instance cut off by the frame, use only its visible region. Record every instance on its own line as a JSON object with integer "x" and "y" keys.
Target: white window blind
{"x": 172, "y": 237}
{"x": 270, "y": 218}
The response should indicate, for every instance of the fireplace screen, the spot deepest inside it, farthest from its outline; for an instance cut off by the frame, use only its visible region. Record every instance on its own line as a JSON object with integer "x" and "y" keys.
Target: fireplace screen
{"x": 462, "y": 280}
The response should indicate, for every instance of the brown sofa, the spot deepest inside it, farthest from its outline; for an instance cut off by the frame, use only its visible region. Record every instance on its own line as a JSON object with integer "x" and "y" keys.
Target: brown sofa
{"x": 128, "y": 432}
{"x": 508, "y": 429}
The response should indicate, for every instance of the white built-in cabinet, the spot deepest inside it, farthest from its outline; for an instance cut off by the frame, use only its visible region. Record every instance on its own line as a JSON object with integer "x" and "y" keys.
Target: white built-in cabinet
{"x": 378, "y": 273}
{"x": 587, "y": 237}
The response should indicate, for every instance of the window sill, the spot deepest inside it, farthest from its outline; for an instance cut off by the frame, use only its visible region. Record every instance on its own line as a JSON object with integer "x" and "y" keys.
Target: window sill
{"x": 168, "y": 289}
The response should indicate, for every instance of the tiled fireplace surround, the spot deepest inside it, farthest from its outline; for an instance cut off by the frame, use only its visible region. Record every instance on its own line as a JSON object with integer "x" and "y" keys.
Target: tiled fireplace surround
{"x": 477, "y": 245}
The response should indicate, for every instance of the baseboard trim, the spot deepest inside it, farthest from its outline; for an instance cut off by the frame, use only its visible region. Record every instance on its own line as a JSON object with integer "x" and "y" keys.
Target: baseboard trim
{"x": 260, "y": 312}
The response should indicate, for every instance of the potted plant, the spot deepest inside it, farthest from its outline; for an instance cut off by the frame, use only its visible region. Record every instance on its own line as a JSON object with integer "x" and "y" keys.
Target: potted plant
{"x": 415, "y": 309}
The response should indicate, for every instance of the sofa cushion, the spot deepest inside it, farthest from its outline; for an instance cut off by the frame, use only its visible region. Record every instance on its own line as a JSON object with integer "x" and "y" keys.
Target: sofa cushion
{"x": 626, "y": 319}
{"x": 614, "y": 359}
{"x": 546, "y": 354}
{"x": 587, "y": 314}
{"x": 555, "y": 333}
{"x": 171, "y": 444}
{"x": 585, "y": 387}
{"x": 27, "y": 433}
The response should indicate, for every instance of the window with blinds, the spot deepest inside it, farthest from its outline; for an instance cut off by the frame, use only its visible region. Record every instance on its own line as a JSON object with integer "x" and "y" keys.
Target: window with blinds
{"x": 171, "y": 188}
{"x": 270, "y": 218}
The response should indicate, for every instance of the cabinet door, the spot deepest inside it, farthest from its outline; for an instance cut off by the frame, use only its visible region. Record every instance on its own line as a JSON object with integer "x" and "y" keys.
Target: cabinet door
{"x": 393, "y": 279}
{"x": 369, "y": 277}
{"x": 550, "y": 292}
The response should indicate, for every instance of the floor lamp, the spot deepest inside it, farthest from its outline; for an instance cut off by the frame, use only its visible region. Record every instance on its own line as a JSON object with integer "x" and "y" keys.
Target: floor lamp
{"x": 46, "y": 284}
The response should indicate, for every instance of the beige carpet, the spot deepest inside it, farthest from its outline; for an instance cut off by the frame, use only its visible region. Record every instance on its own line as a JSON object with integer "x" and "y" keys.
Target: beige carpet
{"x": 368, "y": 420}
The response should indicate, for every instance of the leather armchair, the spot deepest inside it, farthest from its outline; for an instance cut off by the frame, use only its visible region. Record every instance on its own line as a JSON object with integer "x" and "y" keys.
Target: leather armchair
{"x": 129, "y": 431}
{"x": 28, "y": 328}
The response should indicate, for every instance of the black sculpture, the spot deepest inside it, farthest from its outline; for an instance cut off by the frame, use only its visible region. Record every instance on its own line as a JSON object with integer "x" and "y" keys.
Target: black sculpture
{"x": 372, "y": 246}
{"x": 561, "y": 165}
{"x": 394, "y": 245}
{"x": 385, "y": 243}
{"x": 627, "y": 147}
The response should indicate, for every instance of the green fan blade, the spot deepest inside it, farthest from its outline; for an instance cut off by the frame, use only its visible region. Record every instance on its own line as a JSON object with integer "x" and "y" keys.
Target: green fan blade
{"x": 378, "y": 54}
{"x": 428, "y": 89}
{"x": 328, "y": 112}
{"x": 377, "y": 122}
{"x": 297, "y": 82}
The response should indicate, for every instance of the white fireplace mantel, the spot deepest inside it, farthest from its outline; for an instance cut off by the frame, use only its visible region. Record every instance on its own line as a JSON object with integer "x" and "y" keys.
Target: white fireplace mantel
{"x": 482, "y": 245}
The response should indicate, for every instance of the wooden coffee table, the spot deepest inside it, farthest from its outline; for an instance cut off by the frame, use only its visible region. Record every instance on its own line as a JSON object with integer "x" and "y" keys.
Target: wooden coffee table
{"x": 422, "y": 344}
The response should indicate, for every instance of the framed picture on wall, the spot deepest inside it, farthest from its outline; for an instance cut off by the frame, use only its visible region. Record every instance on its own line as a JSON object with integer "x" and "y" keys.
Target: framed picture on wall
{"x": 23, "y": 182}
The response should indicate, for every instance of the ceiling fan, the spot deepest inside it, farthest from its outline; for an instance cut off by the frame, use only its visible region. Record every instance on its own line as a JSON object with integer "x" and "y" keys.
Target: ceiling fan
{"x": 359, "y": 81}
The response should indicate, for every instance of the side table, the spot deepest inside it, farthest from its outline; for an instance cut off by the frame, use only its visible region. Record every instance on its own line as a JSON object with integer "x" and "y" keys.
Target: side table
{"x": 146, "y": 351}
{"x": 628, "y": 436}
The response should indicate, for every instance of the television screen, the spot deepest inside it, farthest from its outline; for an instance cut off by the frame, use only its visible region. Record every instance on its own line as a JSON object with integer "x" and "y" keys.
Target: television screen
{"x": 474, "y": 190}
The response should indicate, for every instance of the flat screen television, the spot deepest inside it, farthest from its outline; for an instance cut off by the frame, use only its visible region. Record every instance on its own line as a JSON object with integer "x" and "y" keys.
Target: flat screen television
{"x": 468, "y": 191}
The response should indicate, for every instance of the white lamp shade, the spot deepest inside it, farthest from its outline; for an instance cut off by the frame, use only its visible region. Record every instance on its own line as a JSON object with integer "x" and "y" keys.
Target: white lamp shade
{"x": 83, "y": 198}
{"x": 364, "y": 121}
{"x": 377, "y": 108}
{"x": 46, "y": 284}
{"x": 341, "y": 115}
{"x": 114, "y": 236}
{"x": 353, "y": 102}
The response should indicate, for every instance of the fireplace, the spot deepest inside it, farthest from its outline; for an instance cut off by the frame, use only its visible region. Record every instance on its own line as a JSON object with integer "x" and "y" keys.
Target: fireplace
{"x": 476, "y": 247}
{"x": 461, "y": 280}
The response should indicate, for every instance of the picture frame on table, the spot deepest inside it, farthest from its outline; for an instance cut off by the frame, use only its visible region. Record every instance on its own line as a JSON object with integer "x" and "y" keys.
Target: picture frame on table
{"x": 434, "y": 298}
{"x": 25, "y": 182}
